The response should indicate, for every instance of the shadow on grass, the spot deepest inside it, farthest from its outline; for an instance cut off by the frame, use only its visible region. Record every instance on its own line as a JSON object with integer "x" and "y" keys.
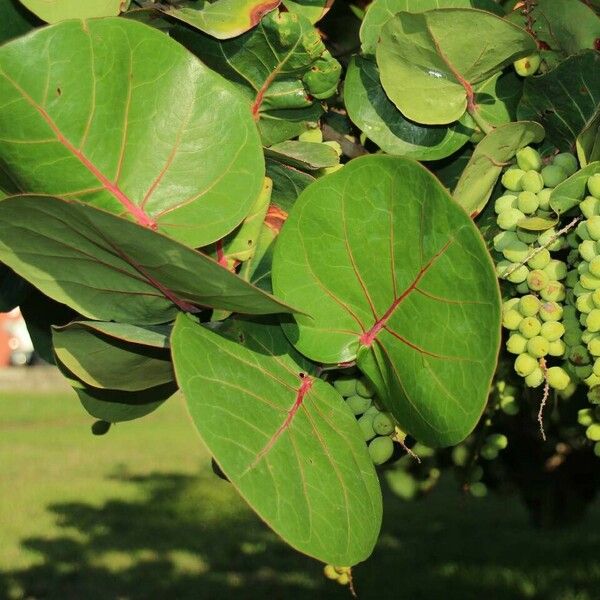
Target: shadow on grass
{"x": 184, "y": 538}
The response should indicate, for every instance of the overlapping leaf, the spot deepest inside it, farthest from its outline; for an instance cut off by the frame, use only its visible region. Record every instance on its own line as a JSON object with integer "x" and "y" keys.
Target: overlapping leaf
{"x": 573, "y": 190}
{"x": 110, "y": 269}
{"x": 53, "y": 11}
{"x": 588, "y": 141}
{"x": 119, "y": 115}
{"x": 309, "y": 156}
{"x": 281, "y": 66}
{"x": 564, "y": 99}
{"x": 406, "y": 289}
{"x": 429, "y": 61}
{"x": 115, "y": 356}
{"x": 490, "y": 157}
{"x": 284, "y": 438}
{"x": 14, "y": 20}
{"x": 313, "y": 10}
{"x": 221, "y": 19}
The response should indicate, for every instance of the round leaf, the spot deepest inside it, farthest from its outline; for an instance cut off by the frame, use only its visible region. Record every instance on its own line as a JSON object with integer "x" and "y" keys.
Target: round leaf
{"x": 53, "y": 11}
{"x": 394, "y": 274}
{"x": 117, "y": 114}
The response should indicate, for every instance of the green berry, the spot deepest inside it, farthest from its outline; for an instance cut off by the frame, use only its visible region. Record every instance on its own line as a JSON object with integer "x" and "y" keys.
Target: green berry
{"x": 584, "y": 303}
{"x": 530, "y": 327}
{"x": 532, "y": 182}
{"x": 593, "y": 227}
{"x": 522, "y": 288}
{"x": 596, "y": 298}
{"x": 529, "y": 237}
{"x": 346, "y": 386}
{"x": 594, "y": 349}
{"x": 550, "y": 311}
{"x": 590, "y": 206}
{"x": 511, "y": 179}
{"x": 529, "y": 305}
{"x": 518, "y": 275}
{"x": 544, "y": 198}
{"x": 516, "y": 343}
{"x": 566, "y": 161}
{"x": 579, "y": 355}
{"x": 596, "y": 367}
{"x": 593, "y": 432}
{"x": 488, "y": 452}
{"x": 582, "y": 231}
{"x": 383, "y": 424}
{"x": 588, "y": 281}
{"x": 540, "y": 259}
{"x": 497, "y": 440}
{"x": 585, "y": 417}
{"x": 593, "y": 320}
{"x": 509, "y": 406}
{"x": 527, "y": 203}
{"x": 593, "y": 184}
{"x": 526, "y": 67}
{"x": 552, "y": 330}
{"x": 504, "y": 239}
{"x": 537, "y": 280}
{"x": 366, "y": 426}
{"x": 538, "y": 346}
{"x": 529, "y": 159}
{"x": 511, "y": 319}
{"x": 510, "y": 303}
{"x": 594, "y": 266}
{"x": 554, "y": 291}
{"x": 557, "y": 378}
{"x": 535, "y": 378}
{"x": 525, "y": 364}
{"x": 553, "y": 175}
{"x": 381, "y": 449}
{"x": 364, "y": 388}
{"x": 516, "y": 252}
{"x": 505, "y": 202}
{"x": 557, "y": 348}
{"x": 509, "y": 218}
{"x": 592, "y": 381}
{"x": 587, "y": 250}
{"x": 357, "y": 404}
{"x": 556, "y": 270}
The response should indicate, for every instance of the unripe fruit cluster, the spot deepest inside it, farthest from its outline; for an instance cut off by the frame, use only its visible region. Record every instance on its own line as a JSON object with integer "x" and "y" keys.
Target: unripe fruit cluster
{"x": 377, "y": 426}
{"x": 590, "y": 419}
{"x": 340, "y": 574}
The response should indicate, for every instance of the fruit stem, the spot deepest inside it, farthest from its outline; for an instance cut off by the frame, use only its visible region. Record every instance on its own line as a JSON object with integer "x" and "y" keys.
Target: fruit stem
{"x": 479, "y": 120}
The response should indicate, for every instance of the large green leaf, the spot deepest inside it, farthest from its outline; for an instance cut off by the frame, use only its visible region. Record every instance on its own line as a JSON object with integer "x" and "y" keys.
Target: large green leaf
{"x": 14, "y": 20}
{"x": 564, "y": 99}
{"x": 381, "y": 11}
{"x": 497, "y": 98}
{"x": 573, "y": 190}
{"x": 491, "y": 155}
{"x": 372, "y": 111}
{"x": 119, "y": 115}
{"x": 221, "y": 19}
{"x": 110, "y": 269}
{"x": 284, "y": 438}
{"x": 116, "y": 356}
{"x": 429, "y": 61}
{"x": 313, "y": 10}
{"x": 53, "y": 11}
{"x": 588, "y": 141}
{"x": 407, "y": 288}
{"x": 282, "y": 67}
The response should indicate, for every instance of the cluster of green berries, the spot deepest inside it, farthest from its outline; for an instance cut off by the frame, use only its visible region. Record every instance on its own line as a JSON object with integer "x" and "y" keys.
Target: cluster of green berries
{"x": 376, "y": 425}
{"x": 590, "y": 419}
{"x": 587, "y": 288}
{"x": 507, "y": 397}
{"x": 342, "y": 575}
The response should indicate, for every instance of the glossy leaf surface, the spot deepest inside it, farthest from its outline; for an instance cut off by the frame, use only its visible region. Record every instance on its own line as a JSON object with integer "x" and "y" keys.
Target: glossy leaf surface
{"x": 166, "y": 142}
{"x": 110, "y": 269}
{"x": 406, "y": 290}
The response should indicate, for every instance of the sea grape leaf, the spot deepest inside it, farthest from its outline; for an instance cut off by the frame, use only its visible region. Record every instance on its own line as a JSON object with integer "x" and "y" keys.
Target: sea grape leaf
{"x": 14, "y": 20}
{"x": 110, "y": 269}
{"x": 116, "y": 356}
{"x": 309, "y": 156}
{"x": 381, "y": 11}
{"x": 588, "y": 141}
{"x": 222, "y": 19}
{"x": 282, "y": 67}
{"x": 497, "y": 98}
{"x": 13, "y": 289}
{"x": 538, "y": 223}
{"x": 53, "y": 11}
{"x": 491, "y": 155}
{"x": 120, "y": 116}
{"x": 564, "y": 99}
{"x": 406, "y": 290}
{"x": 313, "y": 10}
{"x": 288, "y": 183}
{"x": 429, "y": 62}
{"x": 376, "y": 115}
{"x": 283, "y": 437}
{"x": 572, "y": 191}
{"x": 257, "y": 270}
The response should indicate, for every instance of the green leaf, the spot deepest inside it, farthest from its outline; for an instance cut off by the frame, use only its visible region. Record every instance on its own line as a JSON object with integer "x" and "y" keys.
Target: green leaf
{"x": 86, "y": 112}
{"x": 282, "y": 67}
{"x": 406, "y": 290}
{"x": 288, "y": 183}
{"x": 572, "y": 191}
{"x": 14, "y": 20}
{"x": 564, "y": 99}
{"x": 53, "y": 11}
{"x": 588, "y": 141}
{"x": 497, "y": 98}
{"x": 430, "y": 61}
{"x": 222, "y": 19}
{"x": 313, "y": 10}
{"x": 372, "y": 111}
{"x": 115, "y": 355}
{"x": 258, "y": 269}
{"x": 285, "y": 439}
{"x": 110, "y": 269}
{"x": 309, "y": 156}
{"x": 13, "y": 289}
{"x": 491, "y": 155}
{"x": 381, "y": 11}
{"x": 538, "y": 223}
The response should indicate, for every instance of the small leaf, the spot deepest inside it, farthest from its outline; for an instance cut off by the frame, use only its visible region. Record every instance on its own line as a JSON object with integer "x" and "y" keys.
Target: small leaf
{"x": 313, "y": 10}
{"x": 572, "y": 191}
{"x": 564, "y": 99}
{"x": 284, "y": 438}
{"x": 372, "y": 111}
{"x": 222, "y": 19}
{"x": 53, "y": 11}
{"x": 288, "y": 183}
{"x": 497, "y": 98}
{"x": 406, "y": 290}
{"x": 116, "y": 356}
{"x": 110, "y": 269}
{"x": 491, "y": 155}
{"x": 538, "y": 223}
{"x": 309, "y": 156}
{"x": 86, "y": 112}
{"x": 588, "y": 141}
{"x": 430, "y": 61}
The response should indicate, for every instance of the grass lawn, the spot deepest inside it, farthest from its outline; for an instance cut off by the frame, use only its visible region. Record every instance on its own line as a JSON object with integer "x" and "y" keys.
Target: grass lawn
{"x": 138, "y": 514}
